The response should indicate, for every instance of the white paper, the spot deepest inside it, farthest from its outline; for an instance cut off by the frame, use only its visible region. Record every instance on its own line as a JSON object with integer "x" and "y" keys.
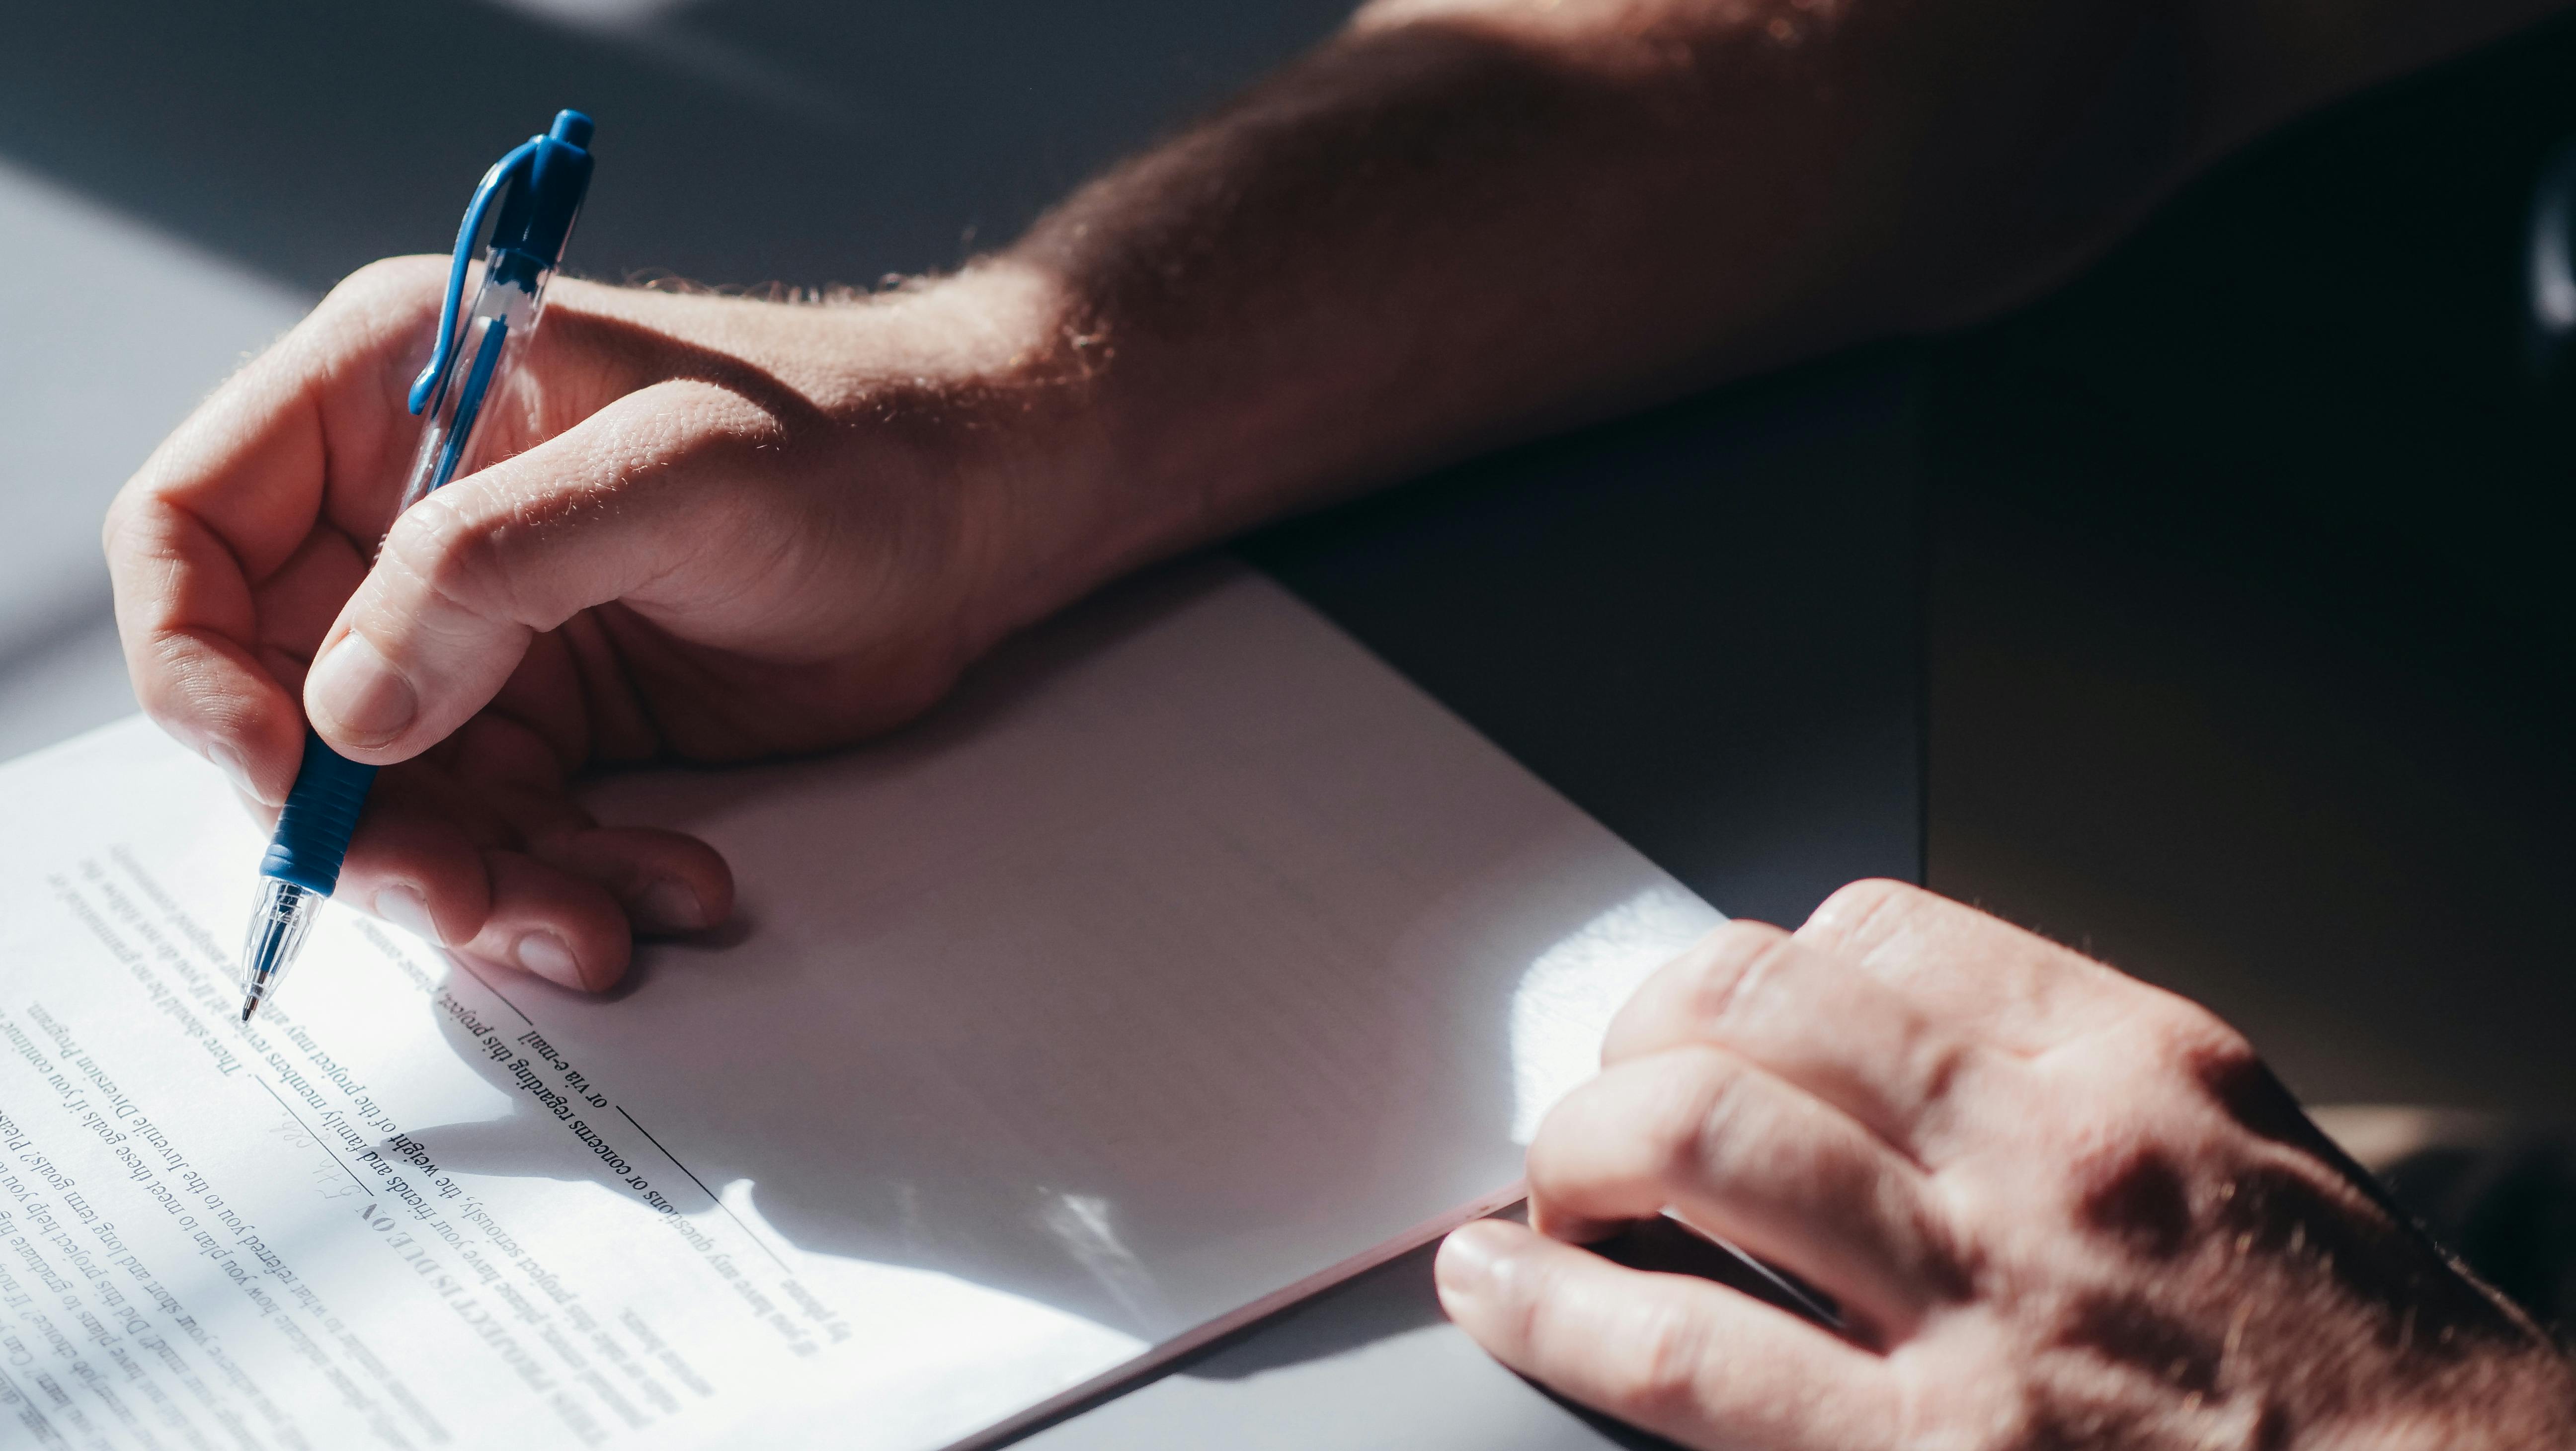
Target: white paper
{"x": 1188, "y": 958}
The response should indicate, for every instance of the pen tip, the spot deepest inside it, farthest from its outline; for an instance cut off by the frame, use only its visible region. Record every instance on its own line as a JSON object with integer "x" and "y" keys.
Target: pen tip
{"x": 250, "y": 1006}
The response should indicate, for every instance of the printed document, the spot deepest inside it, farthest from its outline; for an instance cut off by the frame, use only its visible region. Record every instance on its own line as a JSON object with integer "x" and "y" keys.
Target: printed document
{"x": 1185, "y": 961}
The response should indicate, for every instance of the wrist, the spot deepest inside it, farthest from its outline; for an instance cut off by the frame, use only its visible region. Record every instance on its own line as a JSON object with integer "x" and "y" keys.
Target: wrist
{"x": 1005, "y": 394}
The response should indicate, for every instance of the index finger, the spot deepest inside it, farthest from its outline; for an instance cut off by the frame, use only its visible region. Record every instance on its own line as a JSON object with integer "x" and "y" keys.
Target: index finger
{"x": 1810, "y": 1016}
{"x": 302, "y": 439}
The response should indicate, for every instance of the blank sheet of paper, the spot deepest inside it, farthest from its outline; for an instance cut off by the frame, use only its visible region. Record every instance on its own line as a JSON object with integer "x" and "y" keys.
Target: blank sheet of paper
{"x": 1188, "y": 957}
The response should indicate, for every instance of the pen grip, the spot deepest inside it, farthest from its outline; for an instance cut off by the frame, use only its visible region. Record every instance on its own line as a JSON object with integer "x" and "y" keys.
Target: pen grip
{"x": 321, "y": 812}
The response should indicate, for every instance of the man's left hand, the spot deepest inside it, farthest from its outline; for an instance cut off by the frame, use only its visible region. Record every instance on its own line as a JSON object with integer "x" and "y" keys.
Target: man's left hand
{"x": 2058, "y": 1208}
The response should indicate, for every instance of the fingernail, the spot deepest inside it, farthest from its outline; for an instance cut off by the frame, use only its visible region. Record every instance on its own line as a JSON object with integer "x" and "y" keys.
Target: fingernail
{"x": 232, "y": 764}
{"x": 362, "y": 693}
{"x": 670, "y": 906}
{"x": 1472, "y": 1256}
{"x": 407, "y": 909}
{"x": 544, "y": 954}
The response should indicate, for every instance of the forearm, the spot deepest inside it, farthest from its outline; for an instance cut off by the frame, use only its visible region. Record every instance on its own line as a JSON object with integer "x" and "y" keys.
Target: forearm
{"x": 1468, "y": 221}
{"x": 1442, "y": 232}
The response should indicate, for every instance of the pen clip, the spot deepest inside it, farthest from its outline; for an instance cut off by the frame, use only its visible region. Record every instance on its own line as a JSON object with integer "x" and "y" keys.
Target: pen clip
{"x": 511, "y": 167}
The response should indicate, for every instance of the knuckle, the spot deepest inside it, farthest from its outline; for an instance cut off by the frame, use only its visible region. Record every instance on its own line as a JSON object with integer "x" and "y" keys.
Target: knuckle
{"x": 2173, "y": 1034}
{"x": 368, "y": 326}
{"x": 455, "y": 559}
{"x": 1867, "y": 912}
{"x": 2192, "y": 1054}
{"x": 1631, "y": 1131}
{"x": 389, "y": 282}
{"x": 2220, "y": 1060}
{"x": 1943, "y": 1073}
{"x": 1733, "y": 960}
{"x": 1689, "y": 1115}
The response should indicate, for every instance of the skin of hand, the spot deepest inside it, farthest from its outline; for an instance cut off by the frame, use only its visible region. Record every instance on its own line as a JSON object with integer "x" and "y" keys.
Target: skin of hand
{"x": 720, "y": 529}
{"x": 2058, "y": 1207}
{"x": 723, "y": 528}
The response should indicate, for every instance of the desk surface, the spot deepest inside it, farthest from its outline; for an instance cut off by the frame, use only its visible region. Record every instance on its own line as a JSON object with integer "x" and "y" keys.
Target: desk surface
{"x": 1371, "y": 1366}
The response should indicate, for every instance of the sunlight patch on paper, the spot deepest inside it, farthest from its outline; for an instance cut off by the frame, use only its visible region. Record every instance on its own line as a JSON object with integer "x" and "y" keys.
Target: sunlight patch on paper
{"x": 1566, "y": 1000}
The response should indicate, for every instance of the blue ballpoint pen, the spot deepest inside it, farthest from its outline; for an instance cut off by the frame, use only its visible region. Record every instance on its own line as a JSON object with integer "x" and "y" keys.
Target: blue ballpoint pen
{"x": 537, "y": 189}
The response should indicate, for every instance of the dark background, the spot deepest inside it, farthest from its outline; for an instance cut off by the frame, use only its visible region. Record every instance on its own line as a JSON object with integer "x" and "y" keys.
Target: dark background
{"x": 812, "y": 142}
{"x": 2252, "y": 613}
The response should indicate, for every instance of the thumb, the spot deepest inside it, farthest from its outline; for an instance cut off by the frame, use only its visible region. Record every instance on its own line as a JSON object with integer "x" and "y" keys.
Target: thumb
{"x": 470, "y": 575}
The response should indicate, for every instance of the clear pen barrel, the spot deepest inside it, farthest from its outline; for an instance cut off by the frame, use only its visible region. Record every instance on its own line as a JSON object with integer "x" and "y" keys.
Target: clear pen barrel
{"x": 277, "y": 931}
{"x": 487, "y": 378}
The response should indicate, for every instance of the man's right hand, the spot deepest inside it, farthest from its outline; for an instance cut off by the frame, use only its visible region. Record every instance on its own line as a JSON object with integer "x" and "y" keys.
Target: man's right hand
{"x": 719, "y": 529}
